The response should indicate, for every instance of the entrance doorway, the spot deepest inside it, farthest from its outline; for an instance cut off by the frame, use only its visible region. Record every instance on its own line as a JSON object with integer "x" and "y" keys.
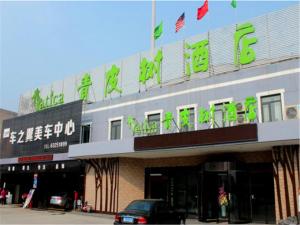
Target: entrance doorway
{"x": 215, "y": 197}
{"x": 178, "y": 186}
{"x": 237, "y": 192}
{"x": 222, "y": 191}
{"x": 214, "y": 189}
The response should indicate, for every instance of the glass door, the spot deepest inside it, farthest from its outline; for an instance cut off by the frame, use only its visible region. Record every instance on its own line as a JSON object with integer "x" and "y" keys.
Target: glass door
{"x": 239, "y": 197}
{"x": 215, "y": 198}
{"x": 262, "y": 193}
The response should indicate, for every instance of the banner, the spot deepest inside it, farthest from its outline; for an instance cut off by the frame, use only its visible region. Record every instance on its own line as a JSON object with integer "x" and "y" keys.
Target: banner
{"x": 29, "y": 197}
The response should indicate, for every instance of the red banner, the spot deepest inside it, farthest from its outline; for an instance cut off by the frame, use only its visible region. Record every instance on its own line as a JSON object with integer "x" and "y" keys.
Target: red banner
{"x": 35, "y": 158}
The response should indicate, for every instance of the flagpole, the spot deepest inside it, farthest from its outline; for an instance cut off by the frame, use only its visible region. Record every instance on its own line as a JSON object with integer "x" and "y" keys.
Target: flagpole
{"x": 152, "y": 29}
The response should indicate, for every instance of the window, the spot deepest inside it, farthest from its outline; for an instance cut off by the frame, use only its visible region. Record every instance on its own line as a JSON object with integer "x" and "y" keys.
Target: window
{"x": 271, "y": 107}
{"x": 115, "y": 128}
{"x": 155, "y": 117}
{"x": 85, "y": 133}
{"x": 186, "y": 118}
{"x": 220, "y": 115}
{"x": 220, "y": 112}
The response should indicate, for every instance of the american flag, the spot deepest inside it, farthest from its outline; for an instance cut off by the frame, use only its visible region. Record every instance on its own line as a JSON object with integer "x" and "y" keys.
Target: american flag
{"x": 179, "y": 23}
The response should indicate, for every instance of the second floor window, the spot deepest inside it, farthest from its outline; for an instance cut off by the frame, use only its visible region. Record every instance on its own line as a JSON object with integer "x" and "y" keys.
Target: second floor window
{"x": 271, "y": 108}
{"x": 187, "y": 119}
{"x": 219, "y": 115}
{"x": 155, "y": 118}
{"x": 85, "y": 133}
{"x": 115, "y": 130}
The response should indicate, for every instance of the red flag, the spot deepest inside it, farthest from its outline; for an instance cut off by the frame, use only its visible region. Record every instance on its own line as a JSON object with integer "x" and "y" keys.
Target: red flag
{"x": 180, "y": 23}
{"x": 202, "y": 10}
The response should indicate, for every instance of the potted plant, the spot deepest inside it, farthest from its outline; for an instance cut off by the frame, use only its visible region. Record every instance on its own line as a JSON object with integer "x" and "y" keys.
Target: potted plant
{"x": 223, "y": 201}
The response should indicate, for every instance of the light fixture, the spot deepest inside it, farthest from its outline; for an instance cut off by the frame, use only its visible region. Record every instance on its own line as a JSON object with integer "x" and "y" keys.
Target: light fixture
{"x": 155, "y": 174}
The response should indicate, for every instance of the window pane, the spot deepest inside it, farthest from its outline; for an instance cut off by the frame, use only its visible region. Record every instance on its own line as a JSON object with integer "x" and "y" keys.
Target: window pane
{"x": 265, "y": 113}
{"x": 219, "y": 115}
{"x": 191, "y": 125}
{"x": 155, "y": 118}
{"x": 192, "y": 119}
{"x": 85, "y": 133}
{"x": 115, "y": 130}
{"x": 270, "y": 98}
{"x": 218, "y": 119}
{"x": 276, "y": 111}
{"x": 271, "y": 108}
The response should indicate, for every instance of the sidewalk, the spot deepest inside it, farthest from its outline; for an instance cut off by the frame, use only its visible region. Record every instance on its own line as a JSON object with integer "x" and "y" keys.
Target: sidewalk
{"x": 30, "y": 216}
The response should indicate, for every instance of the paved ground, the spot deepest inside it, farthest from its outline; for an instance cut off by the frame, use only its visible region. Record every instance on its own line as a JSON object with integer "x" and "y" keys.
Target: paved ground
{"x": 15, "y": 215}
{"x": 12, "y": 215}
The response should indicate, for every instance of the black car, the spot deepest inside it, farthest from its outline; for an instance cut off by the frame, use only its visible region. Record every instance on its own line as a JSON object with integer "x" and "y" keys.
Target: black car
{"x": 148, "y": 211}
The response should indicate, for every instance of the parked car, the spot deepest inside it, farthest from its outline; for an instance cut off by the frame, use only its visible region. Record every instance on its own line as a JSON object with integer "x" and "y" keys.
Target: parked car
{"x": 61, "y": 200}
{"x": 148, "y": 211}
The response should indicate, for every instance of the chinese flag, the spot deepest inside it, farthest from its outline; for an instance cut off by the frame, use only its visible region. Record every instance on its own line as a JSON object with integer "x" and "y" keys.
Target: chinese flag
{"x": 202, "y": 10}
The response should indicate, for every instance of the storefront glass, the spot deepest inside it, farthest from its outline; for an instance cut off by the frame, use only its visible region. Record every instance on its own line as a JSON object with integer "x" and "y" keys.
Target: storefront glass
{"x": 216, "y": 191}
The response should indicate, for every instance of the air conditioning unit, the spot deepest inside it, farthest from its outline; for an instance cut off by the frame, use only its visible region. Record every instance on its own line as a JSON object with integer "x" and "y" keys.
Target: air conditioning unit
{"x": 292, "y": 112}
{"x": 241, "y": 118}
{"x": 240, "y": 113}
{"x": 240, "y": 107}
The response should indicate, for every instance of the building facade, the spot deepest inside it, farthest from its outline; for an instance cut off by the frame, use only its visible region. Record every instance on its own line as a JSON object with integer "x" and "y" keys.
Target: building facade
{"x": 210, "y": 124}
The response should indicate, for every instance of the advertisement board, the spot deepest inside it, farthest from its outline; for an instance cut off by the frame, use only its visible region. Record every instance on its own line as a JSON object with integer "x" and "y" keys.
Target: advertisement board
{"x": 46, "y": 132}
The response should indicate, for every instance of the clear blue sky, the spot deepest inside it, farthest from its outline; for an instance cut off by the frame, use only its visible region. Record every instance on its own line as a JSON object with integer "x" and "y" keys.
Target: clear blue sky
{"x": 42, "y": 42}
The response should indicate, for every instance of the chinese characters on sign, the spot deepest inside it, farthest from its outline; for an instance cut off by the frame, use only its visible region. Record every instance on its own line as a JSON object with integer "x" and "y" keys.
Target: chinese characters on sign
{"x": 149, "y": 68}
{"x": 111, "y": 80}
{"x": 39, "y": 133}
{"x": 84, "y": 87}
{"x": 52, "y": 130}
{"x": 168, "y": 120}
{"x": 231, "y": 113}
{"x": 200, "y": 57}
{"x": 196, "y": 59}
{"x": 245, "y": 55}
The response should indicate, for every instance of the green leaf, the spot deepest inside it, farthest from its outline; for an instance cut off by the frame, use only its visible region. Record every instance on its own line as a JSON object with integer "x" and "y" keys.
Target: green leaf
{"x": 158, "y": 31}
{"x": 233, "y": 3}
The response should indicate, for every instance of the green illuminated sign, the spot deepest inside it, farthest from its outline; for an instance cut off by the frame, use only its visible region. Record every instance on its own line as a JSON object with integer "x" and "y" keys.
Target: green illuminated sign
{"x": 245, "y": 55}
{"x": 196, "y": 58}
{"x": 200, "y": 57}
{"x": 149, "y": 68}
{"x": 111, "y": 80}
{"x": 250, "y": 108}
{"x": 206, "y": 116}
{"x": 184, "y": 118}
{"x": 84, "y": 87}
{"x": 144, "y": 128}
{"x": 168, "y": 120}
{"x": 50, "y": 101}
{"x": 231, "y": 112}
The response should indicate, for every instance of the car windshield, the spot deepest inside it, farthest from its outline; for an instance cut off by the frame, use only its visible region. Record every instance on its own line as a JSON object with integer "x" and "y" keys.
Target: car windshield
{"x": 140, "y": 206}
